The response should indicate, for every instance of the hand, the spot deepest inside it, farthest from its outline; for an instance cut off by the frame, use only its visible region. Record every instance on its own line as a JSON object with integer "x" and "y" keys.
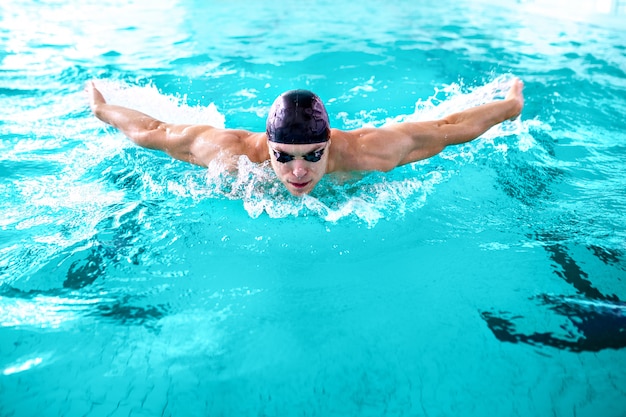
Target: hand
{"x": 95, "y": 96}
{"x": 516, "y": 95}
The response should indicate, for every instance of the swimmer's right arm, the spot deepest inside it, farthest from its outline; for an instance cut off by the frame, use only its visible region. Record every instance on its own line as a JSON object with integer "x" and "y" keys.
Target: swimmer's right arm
{"x": 178, "y": 141}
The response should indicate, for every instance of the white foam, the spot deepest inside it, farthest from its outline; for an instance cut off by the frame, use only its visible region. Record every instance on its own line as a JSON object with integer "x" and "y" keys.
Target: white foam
{"x": 368, "y": 198}
{"x": 167, "y": 108}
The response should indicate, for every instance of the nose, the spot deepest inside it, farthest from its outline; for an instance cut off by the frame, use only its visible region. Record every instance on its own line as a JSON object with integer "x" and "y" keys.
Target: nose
{"x": 299, "y": 171}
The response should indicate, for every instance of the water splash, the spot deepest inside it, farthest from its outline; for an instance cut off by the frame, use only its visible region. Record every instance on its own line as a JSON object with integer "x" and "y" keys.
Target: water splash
{"x": 368, "y": 197}
{"x": 167, "y": 108}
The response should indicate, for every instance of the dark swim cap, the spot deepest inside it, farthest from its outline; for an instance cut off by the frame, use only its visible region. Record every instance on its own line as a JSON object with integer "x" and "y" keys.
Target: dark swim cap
{"x": 298, "y": 117}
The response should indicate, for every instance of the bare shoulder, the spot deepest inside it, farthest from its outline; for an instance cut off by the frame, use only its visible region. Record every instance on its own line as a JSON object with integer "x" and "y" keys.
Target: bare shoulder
{"x": 367, "y": 149}
{"x": 228, "y": 144}
{"x": 342, "y": 155}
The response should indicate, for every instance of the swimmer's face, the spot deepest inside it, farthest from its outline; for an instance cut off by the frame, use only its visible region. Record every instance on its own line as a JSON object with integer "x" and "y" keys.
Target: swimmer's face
{"x": 299, "y": 167}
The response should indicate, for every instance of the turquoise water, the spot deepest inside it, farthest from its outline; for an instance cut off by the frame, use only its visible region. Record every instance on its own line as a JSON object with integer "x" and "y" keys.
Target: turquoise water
{"x": 488, "y": 280}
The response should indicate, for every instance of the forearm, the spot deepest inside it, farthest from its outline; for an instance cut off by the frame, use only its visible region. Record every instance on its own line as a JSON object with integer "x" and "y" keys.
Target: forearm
{"x": 471, "y": 123}
{"x": 134, "y": 124}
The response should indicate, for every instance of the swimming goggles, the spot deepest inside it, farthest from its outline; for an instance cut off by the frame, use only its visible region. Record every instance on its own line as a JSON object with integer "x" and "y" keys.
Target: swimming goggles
{"x": 284, "y": 157}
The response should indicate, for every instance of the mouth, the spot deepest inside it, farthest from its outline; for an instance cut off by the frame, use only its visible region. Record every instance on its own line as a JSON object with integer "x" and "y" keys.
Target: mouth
{"x": 299, "y": 185}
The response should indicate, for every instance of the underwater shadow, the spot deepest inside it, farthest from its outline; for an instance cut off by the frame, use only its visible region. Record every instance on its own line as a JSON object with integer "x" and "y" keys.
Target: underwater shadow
{"x": 76, "y": 277}
{"x": 593, "y": 321}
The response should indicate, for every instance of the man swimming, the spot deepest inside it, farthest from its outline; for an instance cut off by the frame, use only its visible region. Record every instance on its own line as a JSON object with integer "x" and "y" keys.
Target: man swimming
{"x": 299, "y": 142}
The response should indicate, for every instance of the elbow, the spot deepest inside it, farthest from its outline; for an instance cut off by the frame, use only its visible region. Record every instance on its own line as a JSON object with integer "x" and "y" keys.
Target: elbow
{"x": 148, "y": 136}
{"x": 465, "y": 134}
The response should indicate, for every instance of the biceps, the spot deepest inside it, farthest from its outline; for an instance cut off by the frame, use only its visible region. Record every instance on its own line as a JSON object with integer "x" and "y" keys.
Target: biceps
{"x": 414, "y": 142}
{"x": 383, "y": 149}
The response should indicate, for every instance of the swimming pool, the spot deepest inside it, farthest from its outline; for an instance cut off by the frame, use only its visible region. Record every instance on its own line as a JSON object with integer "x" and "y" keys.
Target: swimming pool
{"x": 489, "y": 279}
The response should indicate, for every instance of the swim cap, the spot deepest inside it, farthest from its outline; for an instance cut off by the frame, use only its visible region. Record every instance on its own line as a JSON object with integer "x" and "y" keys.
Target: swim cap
{"x": 298, "y": 117}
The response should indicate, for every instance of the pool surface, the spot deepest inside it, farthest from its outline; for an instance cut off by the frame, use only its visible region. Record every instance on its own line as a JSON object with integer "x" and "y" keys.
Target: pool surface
{"x": 488, "y": 280}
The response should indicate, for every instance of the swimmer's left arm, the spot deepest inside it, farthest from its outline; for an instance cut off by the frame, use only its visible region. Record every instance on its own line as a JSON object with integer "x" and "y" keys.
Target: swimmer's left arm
{"x": 430, "y": 138}
{"x": 386, "y": 148}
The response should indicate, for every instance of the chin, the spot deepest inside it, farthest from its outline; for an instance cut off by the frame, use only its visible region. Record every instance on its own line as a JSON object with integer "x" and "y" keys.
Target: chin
{"x": 298, "y": 192}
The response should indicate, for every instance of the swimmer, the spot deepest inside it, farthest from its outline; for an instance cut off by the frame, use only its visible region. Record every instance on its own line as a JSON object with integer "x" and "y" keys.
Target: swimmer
{"x": 299, "y": 142}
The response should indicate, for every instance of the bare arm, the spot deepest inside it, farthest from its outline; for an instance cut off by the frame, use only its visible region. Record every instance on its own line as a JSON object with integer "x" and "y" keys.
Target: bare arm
{"x": 197, "y": 144}
{"x": 386, "y": 148}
